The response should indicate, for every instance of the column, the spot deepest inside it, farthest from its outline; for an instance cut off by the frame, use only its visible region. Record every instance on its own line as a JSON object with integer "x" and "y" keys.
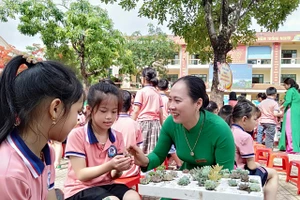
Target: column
{"x": 276, "y": 64}
{"x": 183, "y": 61}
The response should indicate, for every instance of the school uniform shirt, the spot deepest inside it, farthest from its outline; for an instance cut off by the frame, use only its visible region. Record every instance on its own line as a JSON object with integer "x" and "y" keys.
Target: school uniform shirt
{"x": 83, "y": 143}
{"x": 23, "y": 175}
{"x": 132, "y": 135}
{"x": 165, "y": 109}
{"x": 150, "y": 103}
{"x": 243, "y": 145}
{"x": 267, "y": 108}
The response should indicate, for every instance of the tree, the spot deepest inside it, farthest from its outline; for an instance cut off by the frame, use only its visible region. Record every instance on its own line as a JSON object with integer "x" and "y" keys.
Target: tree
{"x": 213, "y": 28}
{"x": 153, "y": 50}
{"x": 80, "y": 34}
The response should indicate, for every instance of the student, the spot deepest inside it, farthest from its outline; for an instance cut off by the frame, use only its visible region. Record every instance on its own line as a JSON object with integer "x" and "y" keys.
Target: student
{"x": 212, "y": 107}
{"x": 130, "y": 130}
{"x": 244, "y": 118}
{"x": 96, "y": 151}
{"x": 270, "y": 110}
{"x": 163, "y": 86}
{"x": 37, "y": 105}
{"x": 232, "y": 99}
{"x": 225, "y": 111}
{"x": 147, "y": 109}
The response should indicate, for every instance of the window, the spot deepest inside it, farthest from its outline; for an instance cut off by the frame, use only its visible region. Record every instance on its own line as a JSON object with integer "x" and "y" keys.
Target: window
{"x": 202, "y": 76}
{"x": 172, "y": 77}
{"x": 257, "y": 78}
{"x": 176, "y": 60}
{"x": 194, "y": 60}
{"x": 287, "y": 55}
{"x": 284, "y": 76}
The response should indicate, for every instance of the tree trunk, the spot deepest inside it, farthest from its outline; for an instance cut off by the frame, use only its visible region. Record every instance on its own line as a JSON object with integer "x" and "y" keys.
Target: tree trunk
{"x": 216, "y": 94}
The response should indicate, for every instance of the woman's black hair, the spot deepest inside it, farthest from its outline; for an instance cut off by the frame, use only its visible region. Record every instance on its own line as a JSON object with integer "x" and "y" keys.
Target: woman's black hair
{"x": 292, "y": 82}
{"x": 150, "y": 75}
{"x": 163, "y": 84}
{"x": 107, "y": 80}
{"x": 196, "y": 89}
{"x": 212, "y": 106}
{"x": 243, "y": 108}
{"x": 126, "y": 96}
{"x": 99, "y": 91}
{"x": 22, "y": 94}
{"x": 262, "y": 95}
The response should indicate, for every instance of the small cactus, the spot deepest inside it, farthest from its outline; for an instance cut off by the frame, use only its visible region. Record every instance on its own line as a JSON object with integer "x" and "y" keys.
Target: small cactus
{"x": 255, "y": 187}
{"x": 224, "y": 171}
{"x": 167, "y": 177}
{"x": 244, "y": 186}
{"x": 226, "y": 175}
{"x": 184, "y": 181}
{"x": 254, "y": 181}
{"x": 145, "y": 180}
{"x": 151, "y": 173}
{"x": 161, "y": 168}
{"x": 235, "y": 174}
{"x": 156, "y": 178}
{"x": 205, "y": 171}
{"x": 210, "y": 185}
{"x": 232, "y": 182}
{"x": 201, "y": 181}
{"x": 185, "y": 171}
{"x": 173, "y": 173}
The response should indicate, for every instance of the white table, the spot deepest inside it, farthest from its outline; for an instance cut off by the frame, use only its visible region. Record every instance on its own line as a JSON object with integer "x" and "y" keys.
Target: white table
{"x": 170, "y": 189}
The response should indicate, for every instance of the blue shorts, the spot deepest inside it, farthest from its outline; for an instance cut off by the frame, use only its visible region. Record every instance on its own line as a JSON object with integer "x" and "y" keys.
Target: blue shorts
{"x": 260, "y": 171}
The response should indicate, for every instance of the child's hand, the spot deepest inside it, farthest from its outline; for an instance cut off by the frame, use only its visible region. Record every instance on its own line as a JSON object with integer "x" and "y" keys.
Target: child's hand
{"x": 121, "y": 163}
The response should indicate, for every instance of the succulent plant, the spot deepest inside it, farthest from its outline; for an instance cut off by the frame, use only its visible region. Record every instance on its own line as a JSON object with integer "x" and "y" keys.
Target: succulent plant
{"x": 217, "y": 168}
{"x": 232, "y": 182}
{"x": 156, "y": 178}
{"x": 161, "y": 168}
{"x": 254, "y": 181}
{"x": 151, "y": 173}
{"x": 145, "y": 180}
{"x": 224, "y": 171}
{"x": 235, "y": 174}
{"x": 196, "y": 173}
{"x": 205, "y": 171}
{"x": 201, "y": 181}
{"x": 210, "y": 185}
{"x": 226, "y": 175}
{"x": 214, "y": 175}
{"x": 255, "y": 187}
{"x": 185, "y": 171}
{"x": 167, "y": 177}
{"x": 184, "y": 180}
{"x": 173, "y": 173}
{"x": 244, "y": 177}
{"x": 244, "y": 186}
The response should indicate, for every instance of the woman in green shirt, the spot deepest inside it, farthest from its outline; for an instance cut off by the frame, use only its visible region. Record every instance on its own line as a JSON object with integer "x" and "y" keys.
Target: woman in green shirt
{"x": 201, "y": 138}
{"x": 290, "y": 130}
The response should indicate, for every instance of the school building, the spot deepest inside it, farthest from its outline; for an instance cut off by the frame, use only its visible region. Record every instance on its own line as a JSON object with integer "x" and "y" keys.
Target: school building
{"x": 272, "y": 58}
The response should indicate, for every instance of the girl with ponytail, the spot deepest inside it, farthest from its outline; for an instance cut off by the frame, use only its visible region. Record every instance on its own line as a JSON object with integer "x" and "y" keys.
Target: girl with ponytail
{"x": 147, "y": 109}
{"x": 37, "y": 105}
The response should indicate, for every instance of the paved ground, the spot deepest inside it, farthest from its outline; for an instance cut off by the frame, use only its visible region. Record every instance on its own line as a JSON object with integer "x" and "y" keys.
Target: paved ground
{"x": 287, "y": 191}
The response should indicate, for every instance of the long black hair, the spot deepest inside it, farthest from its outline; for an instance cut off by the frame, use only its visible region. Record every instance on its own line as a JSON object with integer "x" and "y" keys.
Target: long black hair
{"x": 292, "y": 82}
{"x": 22, "y": 93}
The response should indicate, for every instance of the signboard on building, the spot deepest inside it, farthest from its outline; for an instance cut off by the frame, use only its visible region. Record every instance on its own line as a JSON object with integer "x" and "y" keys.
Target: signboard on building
{"x": 278, "y": 37}
{"x": 238, "y": 55}
{"x": 241, "y": 76}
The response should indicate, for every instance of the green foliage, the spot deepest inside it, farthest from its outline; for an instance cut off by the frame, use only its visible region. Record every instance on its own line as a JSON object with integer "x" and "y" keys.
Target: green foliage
{"x": 78, "y": 34}
{"x": 154, "y": 50}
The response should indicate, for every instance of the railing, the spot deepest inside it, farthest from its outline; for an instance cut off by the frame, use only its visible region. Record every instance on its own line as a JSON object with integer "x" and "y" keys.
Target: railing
{"x": 290, "y": 61}
{"x": 174, "y": 62}
{"x": 196, "y": 62}
{"x": 259, "y": 61}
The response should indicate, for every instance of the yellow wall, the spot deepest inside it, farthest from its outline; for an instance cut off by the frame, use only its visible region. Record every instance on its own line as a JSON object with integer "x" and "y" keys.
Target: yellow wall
{"x": 265, "y": 72}
{"x": 174, "y": 71}
{"x": 292, "y": 71}
{"x": 198, "y": 71}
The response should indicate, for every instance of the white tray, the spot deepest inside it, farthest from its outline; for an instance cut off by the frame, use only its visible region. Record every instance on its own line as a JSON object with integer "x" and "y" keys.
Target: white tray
{"x": 170, "y": 189}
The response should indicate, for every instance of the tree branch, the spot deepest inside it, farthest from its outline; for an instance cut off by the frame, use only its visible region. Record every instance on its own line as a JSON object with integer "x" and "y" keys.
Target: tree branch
{"x": 209, "y": 22}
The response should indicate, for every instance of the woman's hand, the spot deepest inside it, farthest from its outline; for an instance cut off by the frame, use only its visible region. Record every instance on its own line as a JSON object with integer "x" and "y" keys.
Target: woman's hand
{"x": 121, "y": 163}
{"x": 139, "y": 157}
